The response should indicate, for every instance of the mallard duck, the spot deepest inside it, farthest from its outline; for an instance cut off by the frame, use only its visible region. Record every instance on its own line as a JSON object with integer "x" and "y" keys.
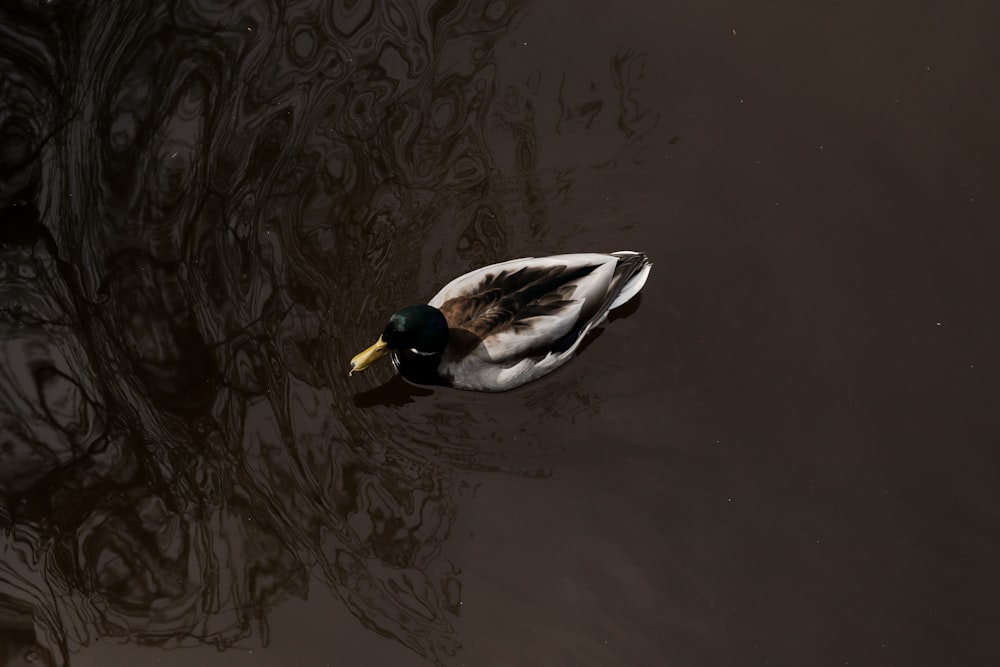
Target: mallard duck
{"x": 507, "y": 324}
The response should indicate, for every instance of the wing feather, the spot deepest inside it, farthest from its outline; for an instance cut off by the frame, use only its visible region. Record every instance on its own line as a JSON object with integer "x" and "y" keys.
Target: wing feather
{"x": 526, "y": 307}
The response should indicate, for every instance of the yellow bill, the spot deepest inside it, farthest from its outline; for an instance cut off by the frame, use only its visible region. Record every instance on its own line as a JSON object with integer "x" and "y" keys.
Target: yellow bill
{"x": 369, "y": 356}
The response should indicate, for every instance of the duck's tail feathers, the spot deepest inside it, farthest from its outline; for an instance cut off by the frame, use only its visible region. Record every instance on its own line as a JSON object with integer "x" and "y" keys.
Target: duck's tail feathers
{"x": 630, "y": 274}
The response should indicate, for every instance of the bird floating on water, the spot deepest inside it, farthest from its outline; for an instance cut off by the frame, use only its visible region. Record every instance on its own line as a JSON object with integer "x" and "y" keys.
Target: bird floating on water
{"x": 503, "y": 325}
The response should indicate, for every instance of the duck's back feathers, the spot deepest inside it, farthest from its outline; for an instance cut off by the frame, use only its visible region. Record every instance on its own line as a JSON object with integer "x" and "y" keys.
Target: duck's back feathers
{"x": 512, "y": 322}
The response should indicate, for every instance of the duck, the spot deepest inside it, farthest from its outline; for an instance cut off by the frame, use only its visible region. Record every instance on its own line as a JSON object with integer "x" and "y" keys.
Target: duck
{"x": 501, "y": 326}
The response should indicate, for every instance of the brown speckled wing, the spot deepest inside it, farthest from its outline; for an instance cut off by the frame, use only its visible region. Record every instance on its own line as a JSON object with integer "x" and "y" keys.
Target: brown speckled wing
{"x": 512, "y": 298}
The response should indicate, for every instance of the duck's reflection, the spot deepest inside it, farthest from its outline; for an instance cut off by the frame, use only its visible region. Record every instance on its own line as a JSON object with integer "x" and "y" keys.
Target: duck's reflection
{"x": 395, "y": 392}
{"x": 226, "y": 198}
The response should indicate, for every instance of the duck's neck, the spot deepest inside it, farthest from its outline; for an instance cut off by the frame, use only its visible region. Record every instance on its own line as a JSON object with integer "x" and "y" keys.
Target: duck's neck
{"x": 418, "y": 367}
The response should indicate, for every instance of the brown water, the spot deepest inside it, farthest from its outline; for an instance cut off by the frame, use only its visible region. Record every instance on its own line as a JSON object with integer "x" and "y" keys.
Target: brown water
{"x": 784, "y": 454}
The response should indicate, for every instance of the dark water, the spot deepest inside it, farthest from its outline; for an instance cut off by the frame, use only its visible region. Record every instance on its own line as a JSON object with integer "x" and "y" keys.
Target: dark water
{"x": 785, "y": 454}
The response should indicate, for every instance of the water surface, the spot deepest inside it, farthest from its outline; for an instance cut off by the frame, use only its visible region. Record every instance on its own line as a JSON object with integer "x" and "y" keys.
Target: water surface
{"x": 782, "y": 454}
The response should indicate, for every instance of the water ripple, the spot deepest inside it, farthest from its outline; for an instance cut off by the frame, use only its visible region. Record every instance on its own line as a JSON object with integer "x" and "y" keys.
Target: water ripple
{"x": 203, "y": 208}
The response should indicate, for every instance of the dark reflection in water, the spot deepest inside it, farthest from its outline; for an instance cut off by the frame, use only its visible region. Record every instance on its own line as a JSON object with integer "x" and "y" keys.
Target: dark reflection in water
{"x": 203, "y": 207}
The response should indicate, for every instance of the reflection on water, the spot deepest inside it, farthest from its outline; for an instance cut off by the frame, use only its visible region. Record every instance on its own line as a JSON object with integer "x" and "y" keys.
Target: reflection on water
{"x": 203, "y": 208}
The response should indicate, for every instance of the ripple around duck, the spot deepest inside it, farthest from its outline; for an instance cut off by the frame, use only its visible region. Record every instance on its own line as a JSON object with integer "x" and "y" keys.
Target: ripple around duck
{"x": 180, "y": 444}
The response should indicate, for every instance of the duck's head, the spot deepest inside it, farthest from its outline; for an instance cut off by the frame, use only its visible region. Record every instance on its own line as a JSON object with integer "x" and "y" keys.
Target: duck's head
{"x": 422, "y": 329}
